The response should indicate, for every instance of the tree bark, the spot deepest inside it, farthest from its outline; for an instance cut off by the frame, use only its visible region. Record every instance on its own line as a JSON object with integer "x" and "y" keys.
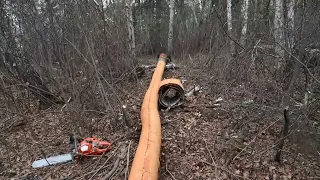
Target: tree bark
{"x": 155, "y": 26}
{"x": 171, "y": 23}
{"x": 193, "y": 7}
{"x": 290, "y": 33}
{"x": 130, "y": 25}
{"x": 296, "y": 70}
{"x": 283, "y": 134}
{"x": 244, "y": 12}
{"x": 229, "y": 22}
{"x": 279, "y": 31}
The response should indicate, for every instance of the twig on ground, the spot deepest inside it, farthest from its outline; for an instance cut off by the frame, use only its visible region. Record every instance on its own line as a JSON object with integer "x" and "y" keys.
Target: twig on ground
{"x": 226, "y": 170}
{"x": 169, "y": 172}
{"x": 255, "y": 139}
{"x": 120, "y": 169}
{"x": 209, "y": 153}
{"x": 51, "y": 172}
{"x": 116, "y": 164}
{"x": 216, "y": 168}
{"x": 289, "y": 134}
{"x": 128, "y": 159}
{"x": 44, "y": 156}
{"x": 104, "y": 163}
{"x": 84, "y": 175}
{"x": 65, "y": 105}
{"x": 100, "y": 158}
{"x": 193, "y": 91}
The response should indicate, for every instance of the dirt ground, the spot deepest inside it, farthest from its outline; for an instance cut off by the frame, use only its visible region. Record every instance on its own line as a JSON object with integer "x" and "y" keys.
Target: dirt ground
{"x": 203, "y": 139}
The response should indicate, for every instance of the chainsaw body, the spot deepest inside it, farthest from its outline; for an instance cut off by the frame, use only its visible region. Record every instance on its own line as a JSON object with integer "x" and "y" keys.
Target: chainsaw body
{"x": 91, "y": 146}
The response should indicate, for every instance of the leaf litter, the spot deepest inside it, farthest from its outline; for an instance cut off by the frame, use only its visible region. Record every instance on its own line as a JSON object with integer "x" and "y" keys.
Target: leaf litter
{"x": 232, "y": 140}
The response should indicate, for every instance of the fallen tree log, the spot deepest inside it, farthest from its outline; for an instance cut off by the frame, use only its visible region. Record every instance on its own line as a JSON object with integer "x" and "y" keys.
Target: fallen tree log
{"x": 167, "y": 67}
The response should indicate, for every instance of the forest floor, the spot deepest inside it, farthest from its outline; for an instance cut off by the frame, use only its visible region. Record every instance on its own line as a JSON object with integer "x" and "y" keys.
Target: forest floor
{"x": 232, "y": 140}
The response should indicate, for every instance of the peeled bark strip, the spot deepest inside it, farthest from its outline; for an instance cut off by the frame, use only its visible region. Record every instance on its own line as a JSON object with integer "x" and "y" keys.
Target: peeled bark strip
{"x": 146, "y": 162}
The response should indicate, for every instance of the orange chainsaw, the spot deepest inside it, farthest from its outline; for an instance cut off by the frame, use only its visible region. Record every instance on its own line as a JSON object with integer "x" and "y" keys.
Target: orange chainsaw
{"x": 91, "y": 146}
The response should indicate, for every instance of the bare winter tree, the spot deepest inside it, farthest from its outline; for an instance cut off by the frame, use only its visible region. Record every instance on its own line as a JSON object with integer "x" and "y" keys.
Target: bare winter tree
{"x": 193, "y": 7}
{"x": 295, "y": 72}
{"x": 20, "y": 66}
{"x": 171, "y": 24}
{"x": 89, "y": 51}
{"x": 229, "y": 21}
{"x": 130, "y": 25}
{"x": 290, "y": 20}
{"x": 244, "y": 12}
{"x": 279, "y": 31}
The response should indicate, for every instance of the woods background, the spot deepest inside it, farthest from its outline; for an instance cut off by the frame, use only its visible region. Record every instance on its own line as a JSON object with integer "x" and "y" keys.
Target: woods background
{"x": 83, "y": 53}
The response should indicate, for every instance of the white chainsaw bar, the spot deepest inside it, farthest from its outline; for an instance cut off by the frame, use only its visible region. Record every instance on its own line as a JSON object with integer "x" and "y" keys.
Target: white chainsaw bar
{"x": 63, "y": 158}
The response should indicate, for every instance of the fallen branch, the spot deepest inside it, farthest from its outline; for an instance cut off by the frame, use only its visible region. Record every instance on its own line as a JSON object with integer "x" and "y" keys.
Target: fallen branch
{"x": 168, "y": 66}
{"x": 226, "y": 170}
{"x": 65, "y": 105}
{"x": 128, "y": 159}
{"x": 115, "y": 167}
{"x": 104, "y": 163}
{"x": 283, "y": 135}
{"x": 116, "y": 164}
{"x": 254, "y": 139}
{"x": 169, "y": 172}
{"x": 100, "y": 159}
{"x": 47, "y": 176}
{"x": 216, "y": 168}
{"x": 194, "y": 90}
{"x": 115, "y": 174}
{"x": 73, "y": 177}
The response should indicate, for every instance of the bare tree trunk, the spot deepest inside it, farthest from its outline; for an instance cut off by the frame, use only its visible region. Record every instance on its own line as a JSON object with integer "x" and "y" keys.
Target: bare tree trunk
{"x": 283, "y": 135}
{"x": 290, "y": 33}
{"x": 229, "y": 19}
{"x": 296, "y": 70}
{"x": 244, "y": 12}
{"x": 193, "y": 7}
{"x": 155, "y": 13}
{"x": 171, "y": 23}
{"x": 131, "y": 30}
{"x": 279, "y": 31}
